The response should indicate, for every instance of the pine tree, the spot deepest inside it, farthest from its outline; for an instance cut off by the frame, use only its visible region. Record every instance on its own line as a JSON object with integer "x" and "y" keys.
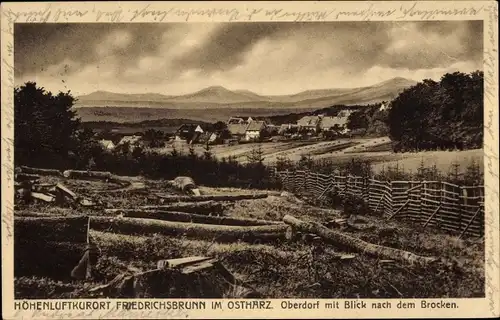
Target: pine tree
{"x": 207, "y": 153}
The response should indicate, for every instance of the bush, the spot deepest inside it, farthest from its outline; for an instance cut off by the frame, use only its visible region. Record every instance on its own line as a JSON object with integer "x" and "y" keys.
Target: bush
{"x": 354, "y": 204}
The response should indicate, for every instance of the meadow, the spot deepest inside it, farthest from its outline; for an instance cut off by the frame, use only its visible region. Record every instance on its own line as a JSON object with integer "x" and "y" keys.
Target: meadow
{"x": 373, "y": 150}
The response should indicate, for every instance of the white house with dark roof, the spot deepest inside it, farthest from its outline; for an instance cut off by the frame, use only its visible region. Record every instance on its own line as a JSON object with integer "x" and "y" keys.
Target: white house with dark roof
{"x": 254, "y": 130}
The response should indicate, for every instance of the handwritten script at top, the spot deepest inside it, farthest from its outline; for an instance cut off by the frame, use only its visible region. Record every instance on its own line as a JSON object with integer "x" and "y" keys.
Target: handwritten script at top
{"x": 153, "y": 13}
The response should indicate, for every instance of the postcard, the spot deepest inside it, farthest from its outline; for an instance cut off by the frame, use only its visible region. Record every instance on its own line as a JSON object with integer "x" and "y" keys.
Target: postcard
{"x": 266, "y": 160}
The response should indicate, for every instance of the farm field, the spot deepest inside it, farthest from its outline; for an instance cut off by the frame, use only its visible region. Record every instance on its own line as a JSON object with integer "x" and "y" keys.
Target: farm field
{"x": 279, "y": 268}
{"x": 374, "y": 149}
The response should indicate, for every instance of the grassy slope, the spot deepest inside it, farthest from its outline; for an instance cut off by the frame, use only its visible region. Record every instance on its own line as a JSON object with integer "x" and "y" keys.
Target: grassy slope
{"x": 283, "y": 269}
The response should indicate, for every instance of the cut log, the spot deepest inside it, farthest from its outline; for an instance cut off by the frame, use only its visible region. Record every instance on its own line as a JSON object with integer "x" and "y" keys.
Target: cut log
{"x": 228, "y": 197}
{"x": 197, "y": 281}
{"x": 40, "y": 171}
{"x": 357, "y": 244}
{"x": 44, "y": 187}
{"x": 190, "y": 217}
{"x": 184, "y": 184}
{"x": 26, "y": 177}
{"x": 57, "y": 229}
{"x": 66, "y": 191}
{"x": 345, "y": 257}
{"x": 43, "y": 197}
{"x": 189, "y": 277}
{"x": 55, "y": 247}
{"x": 205, "y": 207}
{"x": 201, "y": 266}
{"x": 57, "y": 260}
{"x": 196, "y": 192}
{"x": 180, "y": 262}
{"x": 77, "y": 174}
{"x": 191, "y": 230}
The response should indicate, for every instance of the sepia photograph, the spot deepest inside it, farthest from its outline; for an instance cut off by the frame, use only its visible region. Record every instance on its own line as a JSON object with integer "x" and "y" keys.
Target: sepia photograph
{"x": 249, "y": 159}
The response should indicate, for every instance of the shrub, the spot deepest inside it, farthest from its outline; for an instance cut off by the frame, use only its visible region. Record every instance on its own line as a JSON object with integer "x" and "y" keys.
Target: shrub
{"x": 353, "y": 204}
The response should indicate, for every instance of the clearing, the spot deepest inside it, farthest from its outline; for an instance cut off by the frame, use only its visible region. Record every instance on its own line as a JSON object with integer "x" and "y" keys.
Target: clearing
{"x": 279, "y": 268}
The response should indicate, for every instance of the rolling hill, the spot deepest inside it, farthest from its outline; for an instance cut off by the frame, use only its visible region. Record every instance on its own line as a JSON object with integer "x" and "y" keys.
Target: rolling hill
{"x": 217, "y": 96}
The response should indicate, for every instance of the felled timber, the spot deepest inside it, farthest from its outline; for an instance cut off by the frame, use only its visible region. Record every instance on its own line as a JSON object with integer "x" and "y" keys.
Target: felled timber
{"x": 192, "y": 217}
{"x": 193, "y": 278}
{"x": 55, "y": 247}
{"x": 210, "y": 232}
{"x": 66, "y": 191}
{"x": 357, "y": 244}
{"x": 44, "y": 187}
{"x": 184, "y": 184}
{"x": 236, "y": 197}
{"x": 181, "y": 262}
{"x": 205, "y": 207}
{"x": 78, "y": 174}
{"x": 26, "y": 177}
{"x": 40, "y": 171}
{"x": 58, "y": 229}
{"x": 43, "y": 197}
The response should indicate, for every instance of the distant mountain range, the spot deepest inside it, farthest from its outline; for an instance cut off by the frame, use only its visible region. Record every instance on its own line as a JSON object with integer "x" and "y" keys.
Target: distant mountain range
{"x": 218, "y": 97}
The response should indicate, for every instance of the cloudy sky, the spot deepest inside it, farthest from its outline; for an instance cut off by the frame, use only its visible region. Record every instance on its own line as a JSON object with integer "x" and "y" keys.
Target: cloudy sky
{"x": 267, "y": 58}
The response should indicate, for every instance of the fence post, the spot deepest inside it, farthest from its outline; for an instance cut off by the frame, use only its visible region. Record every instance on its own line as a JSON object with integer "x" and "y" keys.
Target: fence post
{"x": 463, "y": 202}
{"x": 422, "y": 199}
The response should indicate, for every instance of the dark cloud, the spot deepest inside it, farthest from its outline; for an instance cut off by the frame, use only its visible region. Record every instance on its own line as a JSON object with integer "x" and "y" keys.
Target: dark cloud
{"x": 37, "y": 46}
{"x": 225, "y": 49}
{"x": 154, "y": 53}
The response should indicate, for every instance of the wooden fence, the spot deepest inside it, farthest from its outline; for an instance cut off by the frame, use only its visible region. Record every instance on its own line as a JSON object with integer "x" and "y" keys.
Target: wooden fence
{"x": 459, "y": 209}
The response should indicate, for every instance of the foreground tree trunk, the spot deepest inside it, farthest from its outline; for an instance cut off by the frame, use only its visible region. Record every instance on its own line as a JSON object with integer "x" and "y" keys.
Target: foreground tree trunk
{"x": 205, "y": 207}
{"x": 236, "y": 197}
{"x": 41, "y": 172}
{"x": 210, "y": 232}
{"x": 77, "y": 174}
{"x": 55, "y": 247}
{"x": 357, "y": 244}
{"x": 195, "y": 218}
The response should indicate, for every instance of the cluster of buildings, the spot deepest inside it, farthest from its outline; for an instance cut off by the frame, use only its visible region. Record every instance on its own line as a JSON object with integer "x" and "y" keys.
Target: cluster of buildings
{"x": 247, "y": 130}
{"x": 314, "y": 125}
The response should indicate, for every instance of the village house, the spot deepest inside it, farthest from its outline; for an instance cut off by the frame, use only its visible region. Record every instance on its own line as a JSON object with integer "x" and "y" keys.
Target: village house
{"x": 288, "y": 128}
{"x": 309, "y": 123}
{"x": 254, "y": 130}
{"x": 107, "y": 144}
{"x": 338, "y": 123}
{"x": 187, "y": 132}
{"x": 237, "y": 130}
{"x": 206, "y": 138}
{"x": 133, "y": 141}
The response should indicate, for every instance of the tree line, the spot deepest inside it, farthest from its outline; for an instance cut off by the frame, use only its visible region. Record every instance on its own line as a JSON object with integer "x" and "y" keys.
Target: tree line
{"x": 49, "y": 135}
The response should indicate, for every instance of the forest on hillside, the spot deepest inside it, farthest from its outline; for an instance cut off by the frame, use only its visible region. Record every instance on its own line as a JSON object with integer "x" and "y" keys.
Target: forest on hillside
{"x": 439, "y": 115}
